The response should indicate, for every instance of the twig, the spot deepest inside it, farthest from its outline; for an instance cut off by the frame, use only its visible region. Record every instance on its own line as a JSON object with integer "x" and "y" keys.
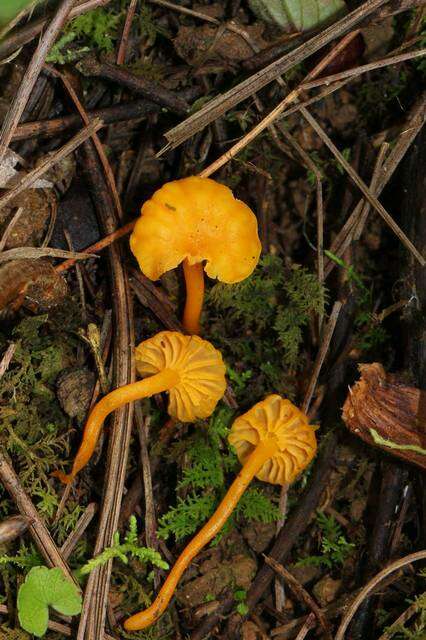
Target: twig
{"x": 300, "y": 592}
{"x": 363, "y": 188}
{"x": 95, "y": 598}
{"x": 109, "y": 115}
{"x": 99, "y": 245}
{"x": 51, "y": 160}
{"x": 96, "y": 141}
{"x": 32, "y": 30}
{"x": 413, "y": 126}
{"x": 93, "y": 338}
{"x": 90, "y": 66}
{"x": 58, "y": 627}
{"x": 277, "y": 111}
{"x": 220, "y": 105}
{"x": 147, "y": 294}
{"x": 19, "y": 16}
{"x": 7, "y": 358}
{"x": 9, "y": 228}
{"x": 39, "y": 252}
{"x": 359, "y": 225}
{"x": 150, "y": 520}
{"x": 307, "y": 626}
{"x": 325, "y": 345}
{"x": 81, "y": 526}
{"x": 32, "y": 72}
{"x": 79, "y": 280}
{"x": 370, "y": 586}
{"x": 402, "y": 619}
{"x": 371, "y": 66}
{"x": 122, "y": 50}
{"x": 38, "y": 529}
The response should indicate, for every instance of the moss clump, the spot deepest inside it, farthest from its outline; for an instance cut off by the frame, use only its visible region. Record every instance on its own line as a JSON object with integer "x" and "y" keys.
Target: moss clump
{"x": 33, "y": 424}
{"x": 259, "y": 326}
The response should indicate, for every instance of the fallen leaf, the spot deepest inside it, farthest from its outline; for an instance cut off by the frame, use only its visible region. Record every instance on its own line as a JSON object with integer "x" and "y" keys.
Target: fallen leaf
{"x": 302, "y": 15}
{"x": 44, "y": 588}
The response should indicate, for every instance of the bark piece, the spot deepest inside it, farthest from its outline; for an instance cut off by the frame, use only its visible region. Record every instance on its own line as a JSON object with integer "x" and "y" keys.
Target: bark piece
{"x": 385, "y": 412}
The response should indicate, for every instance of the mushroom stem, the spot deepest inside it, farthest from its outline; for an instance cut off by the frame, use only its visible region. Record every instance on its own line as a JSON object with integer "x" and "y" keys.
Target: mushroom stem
{"x": 253, "y": 464}
{"x": 194, "y": 280}
{"x": 161, "y": 381}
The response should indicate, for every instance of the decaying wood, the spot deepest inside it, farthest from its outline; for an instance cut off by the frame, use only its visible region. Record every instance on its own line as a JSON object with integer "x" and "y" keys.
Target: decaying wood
{"x": 382, "y": 406}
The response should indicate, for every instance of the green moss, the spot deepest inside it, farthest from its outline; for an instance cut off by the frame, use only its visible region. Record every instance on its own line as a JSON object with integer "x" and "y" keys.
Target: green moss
{"x": 206, "y": 477}
{"x": 259, "y": 324}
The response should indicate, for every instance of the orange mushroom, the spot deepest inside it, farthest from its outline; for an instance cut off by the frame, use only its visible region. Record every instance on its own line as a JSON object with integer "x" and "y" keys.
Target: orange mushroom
{"x": 274, "y": 442}
{"x": 190, "y": 369}
{"x": 191, "y": 221}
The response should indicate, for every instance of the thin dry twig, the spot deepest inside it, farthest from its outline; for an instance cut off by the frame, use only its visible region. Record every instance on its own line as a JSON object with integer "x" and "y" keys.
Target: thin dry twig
{"x": 58, "y": 627}
{"x": 50, "y": 160}
{"x": 9, "y": 227}
{"x": 122, "y": 50}
{"x": 371, "y": 66}
{"x": 276, "y": 112}
{"x": 32, "y": 72}
{"x": 359, "y": 225}
{"x": 7, "y": 359}
{"x": 96, "y": 141}
{"x": 370, "y": 587}
{"x": 300, "y": 592}
{"x": 38, "y": 529}
{"x": 93, "y": 615}
{"x": 40, "y": 252}
{"x": 100, "y": 244}
{"x": 363, "y": 188}
{"x": 413, "y": 126}
{"x": 307, "y": 626}
{"x": 79, "y": 279}
{"x": 220, "y": 105}
{"x": 402, "y": 619}
{"x": 79, "y": 529}
{"x": 150, "y": 520}
{"x": 322, "y": 352}
{"x": 32, "y": 30}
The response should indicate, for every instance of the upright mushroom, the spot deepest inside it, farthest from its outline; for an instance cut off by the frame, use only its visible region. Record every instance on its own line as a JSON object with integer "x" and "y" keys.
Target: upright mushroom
{"x": 190, "y": 369}
{"x": 193, "y": 220}
{"x": 274, "y": 442}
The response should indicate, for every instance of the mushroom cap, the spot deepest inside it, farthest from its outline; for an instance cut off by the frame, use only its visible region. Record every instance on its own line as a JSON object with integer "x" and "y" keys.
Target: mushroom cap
{"x": 199, "y": 365}
{"x": 196, "y": 219}
{"x": 276, "y": 418}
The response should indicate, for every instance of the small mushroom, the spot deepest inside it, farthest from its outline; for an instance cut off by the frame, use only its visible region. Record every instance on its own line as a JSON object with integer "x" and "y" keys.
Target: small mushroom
{"x": 196, "y": 220}
{"x": 274, "y": 442}
{"x": 190, "y": 369}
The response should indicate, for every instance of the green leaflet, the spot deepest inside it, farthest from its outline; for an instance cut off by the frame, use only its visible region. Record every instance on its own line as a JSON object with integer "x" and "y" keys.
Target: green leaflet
{"x": 394, "y": 445}
{"x": 10, "y": 8}
{"x": 44, "y": 588}
{"x": 303, "y": 15}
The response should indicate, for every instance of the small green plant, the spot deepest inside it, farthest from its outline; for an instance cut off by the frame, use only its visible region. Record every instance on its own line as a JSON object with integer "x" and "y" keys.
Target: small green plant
{"x": 44, "y": 588}
{"x": 130, "y": 547}
{"x": 416, "y": 631}
{"x": 26, "y": 558}
{"x": 240, "y": 596}
{"x": 97, "y": 31}
{"x": 370, "y": 333}
{"x": 205, "y": 478}
{"x": 334, "y": 546}
{"x": 259, "y": 325}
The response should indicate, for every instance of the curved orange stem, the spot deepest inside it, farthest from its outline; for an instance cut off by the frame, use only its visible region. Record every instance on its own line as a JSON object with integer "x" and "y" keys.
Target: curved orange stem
{"x": 252, "y": 465}
{"x": 194, "y": 280}
{"x": 117, "y": 398}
